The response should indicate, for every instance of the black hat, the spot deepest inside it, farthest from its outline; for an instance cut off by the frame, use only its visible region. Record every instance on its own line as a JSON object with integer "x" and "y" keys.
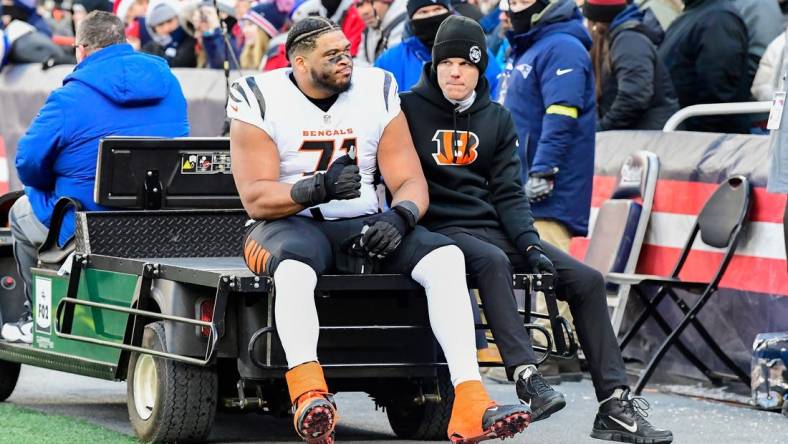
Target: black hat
{"x": 461, "y": 37}
{"x": 603, "y": 11}
{"x": 415, "y": 5}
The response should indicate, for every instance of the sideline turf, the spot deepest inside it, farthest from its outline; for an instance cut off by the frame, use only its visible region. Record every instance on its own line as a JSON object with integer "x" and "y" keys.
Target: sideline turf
{"x": 20, "y": 425}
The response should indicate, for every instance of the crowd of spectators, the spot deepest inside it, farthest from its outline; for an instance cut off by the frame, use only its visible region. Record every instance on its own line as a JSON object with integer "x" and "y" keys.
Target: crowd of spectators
{"x": 648, "y": 60}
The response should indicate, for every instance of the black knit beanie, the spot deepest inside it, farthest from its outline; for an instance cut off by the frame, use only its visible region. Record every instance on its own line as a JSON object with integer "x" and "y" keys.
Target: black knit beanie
{"x": 415, "y": 5}
{"x": 603, "y": 11}
{"x": 461, "y": 37}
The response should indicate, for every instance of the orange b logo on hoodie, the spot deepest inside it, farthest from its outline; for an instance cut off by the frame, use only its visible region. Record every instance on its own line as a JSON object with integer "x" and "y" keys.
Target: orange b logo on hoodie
{"x": 455, "y": 148}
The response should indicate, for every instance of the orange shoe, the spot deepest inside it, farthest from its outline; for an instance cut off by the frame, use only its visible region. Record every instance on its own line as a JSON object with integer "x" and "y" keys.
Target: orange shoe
{"x": 476, "y": 418}
{"x": 314, "y": 411}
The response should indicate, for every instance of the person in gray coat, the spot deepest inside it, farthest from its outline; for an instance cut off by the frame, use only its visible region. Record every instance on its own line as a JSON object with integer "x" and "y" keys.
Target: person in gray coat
{"x": 764, "y": 22}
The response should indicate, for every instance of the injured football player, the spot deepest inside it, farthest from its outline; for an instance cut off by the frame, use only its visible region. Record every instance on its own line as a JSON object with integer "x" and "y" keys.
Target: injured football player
{"x": 310, "y": 194}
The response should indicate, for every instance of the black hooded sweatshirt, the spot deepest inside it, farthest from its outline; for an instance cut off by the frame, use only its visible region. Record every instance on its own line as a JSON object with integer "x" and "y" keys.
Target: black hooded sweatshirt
{"x": 638, "y": 93}
{"x": 478, "y": 184}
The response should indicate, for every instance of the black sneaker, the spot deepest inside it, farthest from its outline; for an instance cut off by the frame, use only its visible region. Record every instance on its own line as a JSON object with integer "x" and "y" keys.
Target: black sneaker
{"x": 540, "y": 397}
{"x": 624, "y": 419}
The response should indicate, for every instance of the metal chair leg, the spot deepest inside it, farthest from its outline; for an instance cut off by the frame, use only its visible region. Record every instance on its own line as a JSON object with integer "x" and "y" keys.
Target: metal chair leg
{"x": 665, "y": 326}
{"x": 708, "y": 339}
{"x": 663, "y": 349}
{"x": 643, "y": 317}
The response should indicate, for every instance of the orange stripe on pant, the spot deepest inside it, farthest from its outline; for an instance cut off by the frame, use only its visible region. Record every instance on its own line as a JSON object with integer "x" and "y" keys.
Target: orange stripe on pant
{"x": 253, "y": 252}
{"x": 259, "y": 266}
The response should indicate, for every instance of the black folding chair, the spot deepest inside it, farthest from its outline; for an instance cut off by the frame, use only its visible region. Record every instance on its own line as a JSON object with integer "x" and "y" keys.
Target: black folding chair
{"x": 720, "y": 224}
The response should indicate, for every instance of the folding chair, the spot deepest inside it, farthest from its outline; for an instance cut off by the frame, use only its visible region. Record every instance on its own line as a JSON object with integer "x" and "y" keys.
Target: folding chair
{"x": 720, "y": 224}
{"x": 620, "y": 227}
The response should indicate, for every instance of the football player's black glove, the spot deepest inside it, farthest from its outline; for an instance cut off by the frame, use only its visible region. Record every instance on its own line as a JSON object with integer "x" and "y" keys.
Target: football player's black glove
{"x": 383, "y": 232}
{"x": 340, "y": 182}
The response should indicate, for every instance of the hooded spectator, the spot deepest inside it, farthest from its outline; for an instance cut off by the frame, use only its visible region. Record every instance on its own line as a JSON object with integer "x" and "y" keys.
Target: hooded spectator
{"x": 406, "y": 59}
{"x": 633, "y": 88}
{"x": 169, "y": 40}
{"x": 385, "y": 21}
{"x": 112, "y": 91}
{"x": 24, "y": 10}
{"x": 341, "y": 12}
{"x": 705, "y": 51}
{"x": 549, "y": 89}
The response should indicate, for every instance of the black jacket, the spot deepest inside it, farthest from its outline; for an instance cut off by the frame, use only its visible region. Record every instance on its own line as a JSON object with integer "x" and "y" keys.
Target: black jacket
{"x": 638, "y": 92}
{"x": 178, "y": 54}
{"x": 478, "y": 184}
{"x": 705, "y": 51}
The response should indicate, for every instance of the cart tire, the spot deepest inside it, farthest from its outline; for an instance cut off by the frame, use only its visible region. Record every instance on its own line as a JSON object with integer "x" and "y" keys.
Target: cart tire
{"x": 427, "y": 422}
{"x": 169, "y": 401}
{"x": 9, "y": 374}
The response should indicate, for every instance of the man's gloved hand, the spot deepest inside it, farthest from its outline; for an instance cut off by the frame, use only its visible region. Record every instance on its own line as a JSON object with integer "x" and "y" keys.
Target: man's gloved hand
{"x": 538, "y": 263}
{"x": 540, "y": 185}
{"x": 383, "y": 232}
{"x": 341, "y": 181}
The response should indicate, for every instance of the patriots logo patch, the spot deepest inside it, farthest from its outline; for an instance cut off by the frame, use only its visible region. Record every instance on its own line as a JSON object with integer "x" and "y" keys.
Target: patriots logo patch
{"x": 524, "y": 69}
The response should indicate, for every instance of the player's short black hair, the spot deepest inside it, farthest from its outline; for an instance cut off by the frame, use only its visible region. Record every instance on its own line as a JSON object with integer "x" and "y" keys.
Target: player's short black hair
{"x": 303, "y": 35}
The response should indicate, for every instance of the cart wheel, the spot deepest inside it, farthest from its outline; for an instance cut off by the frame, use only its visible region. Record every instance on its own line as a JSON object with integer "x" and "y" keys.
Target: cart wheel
{"x": 9, "y": 374}
{"x": 169, "y": 401}
{"x": 428, "y": 421}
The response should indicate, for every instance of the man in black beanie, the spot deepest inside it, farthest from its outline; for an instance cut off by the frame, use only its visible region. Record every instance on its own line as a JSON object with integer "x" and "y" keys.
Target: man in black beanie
{"x": 406, "y": 59}
{"x": 468, "y": 150}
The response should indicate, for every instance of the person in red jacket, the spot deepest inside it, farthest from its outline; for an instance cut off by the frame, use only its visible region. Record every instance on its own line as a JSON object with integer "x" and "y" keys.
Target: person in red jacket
{"x": 342, "y": 12}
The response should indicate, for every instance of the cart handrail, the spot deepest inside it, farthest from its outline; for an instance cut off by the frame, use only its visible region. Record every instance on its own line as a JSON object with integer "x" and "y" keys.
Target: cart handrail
{"x": 209, "y": 352}
{"x": 714, "y": 109}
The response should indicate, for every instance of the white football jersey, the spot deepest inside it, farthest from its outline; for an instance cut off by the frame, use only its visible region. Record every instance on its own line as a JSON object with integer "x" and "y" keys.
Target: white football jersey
{"x": 309, "y": 139}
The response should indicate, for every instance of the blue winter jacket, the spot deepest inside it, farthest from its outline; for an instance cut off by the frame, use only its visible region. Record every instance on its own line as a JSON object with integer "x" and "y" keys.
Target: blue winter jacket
{"x": 113, "y": 92}
{"x": 406, "y": 59}
{"x": 548, "y": 74}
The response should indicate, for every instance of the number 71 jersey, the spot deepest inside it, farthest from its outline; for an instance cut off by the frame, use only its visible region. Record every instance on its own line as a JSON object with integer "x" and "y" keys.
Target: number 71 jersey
{"x": 309, "y": 139}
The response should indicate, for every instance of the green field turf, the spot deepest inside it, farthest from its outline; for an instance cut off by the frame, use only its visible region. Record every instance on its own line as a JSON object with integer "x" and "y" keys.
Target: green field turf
{"x": 20, "y": 425}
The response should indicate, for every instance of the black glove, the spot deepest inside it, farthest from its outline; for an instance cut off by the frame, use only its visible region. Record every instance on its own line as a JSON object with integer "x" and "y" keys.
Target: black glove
{"x": 540, "y": 185}
{"x": 538, "y": 263}
{"x": 383, "y": 232}
{"x": 340, "y": 182}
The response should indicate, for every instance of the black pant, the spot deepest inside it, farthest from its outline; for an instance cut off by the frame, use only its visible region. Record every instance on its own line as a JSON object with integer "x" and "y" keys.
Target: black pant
{"x": 322, "y": 246}
{"x": 491, "y": 259}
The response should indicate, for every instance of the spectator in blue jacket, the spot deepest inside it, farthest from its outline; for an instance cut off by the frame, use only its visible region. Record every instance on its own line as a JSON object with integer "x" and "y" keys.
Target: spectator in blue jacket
{"x": 550, "y": 92}
{"x": 113, "y": 91}
{"x": 406, "y": 59}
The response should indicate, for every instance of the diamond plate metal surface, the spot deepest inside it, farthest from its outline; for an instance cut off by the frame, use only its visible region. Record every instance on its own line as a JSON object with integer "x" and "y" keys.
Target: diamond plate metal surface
{"x": 151, "y": 234}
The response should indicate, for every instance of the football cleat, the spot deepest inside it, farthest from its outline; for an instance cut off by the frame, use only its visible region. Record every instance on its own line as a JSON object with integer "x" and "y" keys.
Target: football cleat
{"x": 475, "y": 418}
{"x": 499, "y": 422}
{"x": 314, "y": 417}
